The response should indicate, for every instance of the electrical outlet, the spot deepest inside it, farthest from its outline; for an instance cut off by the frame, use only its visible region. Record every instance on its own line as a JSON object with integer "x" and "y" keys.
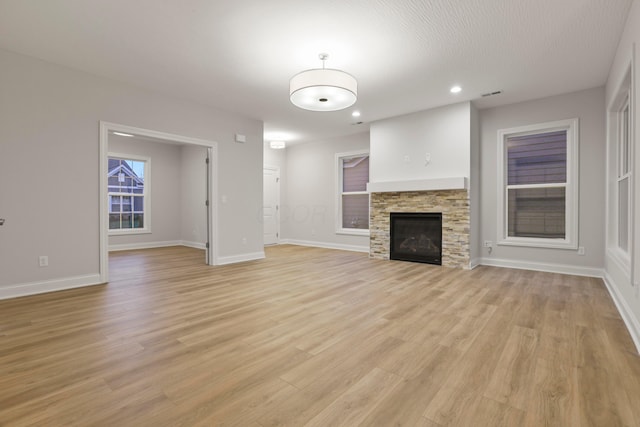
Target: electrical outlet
{"x": 487, "y": 244}
{"x": 43, "y": 261}
{"x": 581, "y": 251}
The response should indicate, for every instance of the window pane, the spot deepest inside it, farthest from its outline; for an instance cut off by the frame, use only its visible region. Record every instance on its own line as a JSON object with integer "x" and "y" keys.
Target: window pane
{"x": 536, "y": 212}
{"x": 138, "y": 220}
{"x": 114, "y": 221}
{"x": 537, "y": 159}
{"x": 114, "y": 204}
{"x": 355, "y": 211}
{"x": 626, "y": 124}
{"x": 355, "y": 174}
{"x": 623, "y": 214}
{"x": 138, "y": 204}
{"x": 127, "y": 221}
{"x": 126, "y": 203}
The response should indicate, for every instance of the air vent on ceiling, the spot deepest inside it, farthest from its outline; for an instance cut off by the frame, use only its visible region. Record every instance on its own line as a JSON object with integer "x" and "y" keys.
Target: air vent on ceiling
{"x": 497, "y": 92}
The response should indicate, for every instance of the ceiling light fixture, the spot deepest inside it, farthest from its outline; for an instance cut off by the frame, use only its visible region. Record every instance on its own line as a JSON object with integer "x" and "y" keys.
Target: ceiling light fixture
{"x": 122, "y": 134}
{"x": 323, "y": 89}
{"x": 455, "y": 89}
{"x": 356, "y": 114}
{"x": 277, "y": 145}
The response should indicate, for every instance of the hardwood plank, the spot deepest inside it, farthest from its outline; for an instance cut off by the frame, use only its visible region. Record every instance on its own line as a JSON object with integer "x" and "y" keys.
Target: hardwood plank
{"x": 510, "y": 381}
{"x": 554, "y": 395}
{"x": 318, "y": 336}
{"x": 357, "y": 402}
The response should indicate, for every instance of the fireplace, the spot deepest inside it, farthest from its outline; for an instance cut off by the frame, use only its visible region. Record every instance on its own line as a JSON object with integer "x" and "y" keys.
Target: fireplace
{"x": 416, "y": 237}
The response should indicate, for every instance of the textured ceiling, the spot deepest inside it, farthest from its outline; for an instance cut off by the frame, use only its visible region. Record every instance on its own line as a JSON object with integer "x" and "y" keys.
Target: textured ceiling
{"x": 406, "y": 54}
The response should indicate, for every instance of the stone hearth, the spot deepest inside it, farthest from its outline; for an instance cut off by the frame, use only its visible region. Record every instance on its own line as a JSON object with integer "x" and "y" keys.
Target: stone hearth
{"x": 454, "y": 206}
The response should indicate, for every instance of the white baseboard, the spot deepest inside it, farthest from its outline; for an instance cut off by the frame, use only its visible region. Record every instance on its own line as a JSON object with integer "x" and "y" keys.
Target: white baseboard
{"x": 539, "y": 266}
{"x": 33, "y": 288}
{"x": 223, "y": 260}
{"x": 630, "y": 320}
{"x": 147, "y": 245}
{"x": 195, "y": 245}
{"x": 353, "y": 248}
{"x": 474, "y": 263}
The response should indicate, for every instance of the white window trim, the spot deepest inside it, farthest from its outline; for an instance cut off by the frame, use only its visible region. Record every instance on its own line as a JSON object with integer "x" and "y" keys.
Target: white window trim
{"x": 338, "y": 186}
{"x": 146, "y": 194}
{"x": 571, "y": 214}
{"x": 621, "y": 100}
{"x": 625, "y": 255}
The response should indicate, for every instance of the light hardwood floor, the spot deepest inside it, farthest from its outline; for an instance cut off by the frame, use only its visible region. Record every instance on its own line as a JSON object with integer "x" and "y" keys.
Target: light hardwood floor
{"x": 320, "y": 338}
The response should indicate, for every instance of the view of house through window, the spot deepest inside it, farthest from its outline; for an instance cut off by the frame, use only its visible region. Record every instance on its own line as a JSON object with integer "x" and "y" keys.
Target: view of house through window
{"x": 354, "y": 199}
{"x": 126, "y": 192}
{"x": 536, "y": 188}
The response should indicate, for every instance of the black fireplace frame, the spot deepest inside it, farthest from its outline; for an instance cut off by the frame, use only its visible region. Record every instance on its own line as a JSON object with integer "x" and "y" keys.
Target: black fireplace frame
{"x": 403, "y": 256}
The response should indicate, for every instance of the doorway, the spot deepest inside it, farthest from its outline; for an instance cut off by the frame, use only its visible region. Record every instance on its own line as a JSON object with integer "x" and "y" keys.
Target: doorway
{"x": 208, "y": 194}
{"x": 271, "y": 205}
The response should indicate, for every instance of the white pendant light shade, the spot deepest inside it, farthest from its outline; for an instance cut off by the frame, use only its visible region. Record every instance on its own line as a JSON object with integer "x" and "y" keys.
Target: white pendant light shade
{"x": 323, "y": 89}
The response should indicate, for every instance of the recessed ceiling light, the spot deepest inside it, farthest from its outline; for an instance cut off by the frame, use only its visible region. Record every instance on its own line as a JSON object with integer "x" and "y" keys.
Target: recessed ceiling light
{"x": 122, "y": 134}
{"x": 356, "y": 114}
{"x": 277, "y": 145}
{"x": 455, "y": 89}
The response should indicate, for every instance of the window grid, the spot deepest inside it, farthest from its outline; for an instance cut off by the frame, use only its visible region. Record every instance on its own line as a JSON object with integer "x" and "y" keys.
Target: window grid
{"x": 353, "y": 198}
{"x": 126, "y": 194}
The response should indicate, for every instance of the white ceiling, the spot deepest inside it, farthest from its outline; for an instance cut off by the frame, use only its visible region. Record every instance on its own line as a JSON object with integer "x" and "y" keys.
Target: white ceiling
{"x": 239, "y": 55}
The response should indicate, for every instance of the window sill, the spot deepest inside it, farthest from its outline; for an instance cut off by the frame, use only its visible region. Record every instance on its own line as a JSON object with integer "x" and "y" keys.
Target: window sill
{"x": 539, "y": 243}
{"x": 129, "y": 232}
{"x": 353, "y": 232}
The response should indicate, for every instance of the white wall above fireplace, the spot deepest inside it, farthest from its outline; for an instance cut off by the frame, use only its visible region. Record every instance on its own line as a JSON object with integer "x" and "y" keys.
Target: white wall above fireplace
{"x": 433, "y": 184}
{"x": 428, "y": 144}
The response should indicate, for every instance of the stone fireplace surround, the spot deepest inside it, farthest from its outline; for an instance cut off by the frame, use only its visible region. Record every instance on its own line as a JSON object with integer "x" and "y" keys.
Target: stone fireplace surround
{"x": 452, "y": 203}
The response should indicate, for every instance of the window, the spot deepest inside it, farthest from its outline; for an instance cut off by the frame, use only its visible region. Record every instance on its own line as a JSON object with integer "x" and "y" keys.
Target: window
{"x": 538, "y": 184}
{"x": 624, "y": 175}
{"x": 128, "y": 194}
{"x": 353, "y": 198}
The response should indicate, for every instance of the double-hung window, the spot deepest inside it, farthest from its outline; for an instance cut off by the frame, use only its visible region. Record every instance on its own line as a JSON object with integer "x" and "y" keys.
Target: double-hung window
{"x": 624, "y": 175}
{"x": 128, "y": 186}
{"x": 538, "y": 185}
{"x": 353, "y": 198}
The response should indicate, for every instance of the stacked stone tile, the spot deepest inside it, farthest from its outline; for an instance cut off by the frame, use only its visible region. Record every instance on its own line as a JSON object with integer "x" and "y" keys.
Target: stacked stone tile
{"x": 454, "y": 206}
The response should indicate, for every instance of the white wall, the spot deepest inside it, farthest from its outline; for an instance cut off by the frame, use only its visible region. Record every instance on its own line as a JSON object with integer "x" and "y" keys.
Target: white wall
{"x": 399, "y": 145}
{"x": 625, "y": 293}
{"x": 50, "y": 164}
{"x": 308, "y": 215}
{"x": 277, "y": 158}
{"x": 193, "y": 194}
{"x": 588, "y": 106}
{"x": 165, "y": 190}
{"x": 475, "y": 187}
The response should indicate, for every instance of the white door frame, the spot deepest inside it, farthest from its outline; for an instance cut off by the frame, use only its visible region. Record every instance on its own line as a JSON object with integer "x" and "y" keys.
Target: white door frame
{"x": 276, "y": 169}
{"x": 105, "y": 128}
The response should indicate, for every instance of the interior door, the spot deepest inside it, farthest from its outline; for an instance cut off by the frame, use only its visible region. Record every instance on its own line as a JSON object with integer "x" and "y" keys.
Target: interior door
{"x": 271, "y": 192}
